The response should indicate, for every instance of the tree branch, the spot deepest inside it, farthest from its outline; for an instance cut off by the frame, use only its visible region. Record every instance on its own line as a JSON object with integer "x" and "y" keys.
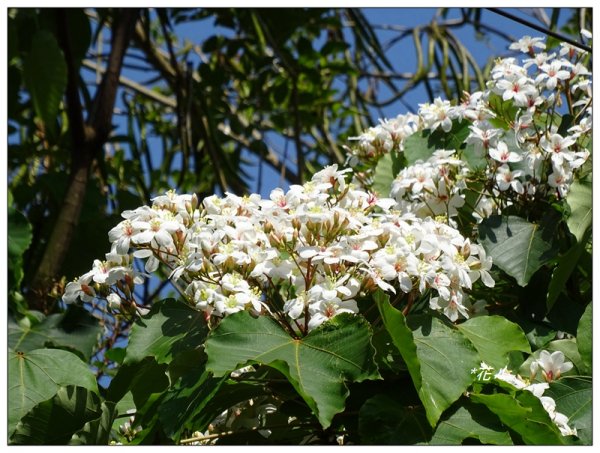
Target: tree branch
{"x": 87, "y": 141}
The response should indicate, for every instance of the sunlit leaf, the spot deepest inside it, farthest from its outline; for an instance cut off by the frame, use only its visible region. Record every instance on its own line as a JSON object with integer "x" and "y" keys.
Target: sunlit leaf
{"x": 494, "y": 337}
{"x": 579, "y": 200}
{"x": 439, "y": 358}
{"x": 36, "y": 376}
{"x": 171, "y": 327}
{"x": 517, "y": 246}
{"x": 316, "y": 365}
{"x": 584, "y": 337}
{"x": 385, "y": 173}
{"x": 573, "y": 397}
{"x": 524, "y": 414}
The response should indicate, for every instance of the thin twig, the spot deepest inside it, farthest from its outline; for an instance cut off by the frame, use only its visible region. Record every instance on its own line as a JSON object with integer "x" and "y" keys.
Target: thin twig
{"x": 540, "y": 29}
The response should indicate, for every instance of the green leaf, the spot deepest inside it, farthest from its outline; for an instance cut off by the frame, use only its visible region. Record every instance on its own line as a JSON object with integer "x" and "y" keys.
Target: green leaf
{"x": 386, "y": 420}
{"x": 475, "y": 159}
{"x": 171, "y": 327}
{"x": 453, "y": 139}
{"x": 97, "y": 431}
{"x": 505, "y": 111}
{"x": 185, "y": 402}
{"x": 75, "y": 330}
{"x": 45, "y": 75}
{"x": 584, "y": 337}
{"x": 573, "y": 397}
{"x": 36, "y": 376}
{"x": 517, "y": 246}
{"x": 579, "y": 200}
{"x": 439, "y": 358}
{"x": 316, "y": 365}
{"x": 52, "y": 422}
{"x": 563, "y": 270}
{"x": 494, "y": 337}
{"x": 142, "y": 379}
{"x": 524, "y": 414}
{"x": 19, "y": 239}
{"x": 385, "y": 172}
{"x": 470, "y": 421}
{"x": 417, "y": 147}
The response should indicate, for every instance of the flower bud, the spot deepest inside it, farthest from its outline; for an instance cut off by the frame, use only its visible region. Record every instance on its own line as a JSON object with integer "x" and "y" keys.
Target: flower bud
{"x": 114, "y": 301}
{"x": 296, "y": 223}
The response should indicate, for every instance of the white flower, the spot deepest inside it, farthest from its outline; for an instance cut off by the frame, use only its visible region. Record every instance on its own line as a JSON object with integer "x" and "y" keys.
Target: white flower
{"x": 506, "y": 178}
{"x": 558, "y": 148}
{"x": 479, "y": 267}
{"x": 526, "y": 44}
{"x": 483, "y": 136}
{"x": 451, "y": 307}
{"x": 79, "y": 289}
{"x": 518, "y": 89}
{"x": 438, "y": 114}
{"x": 324, "y": 310}
{"x": 553, "y": 365}
{"x": 552, "y": 73}
{"x": 586, "y": 33}
{"x": 560, "y": 180}
{"x": 502, "y": 154}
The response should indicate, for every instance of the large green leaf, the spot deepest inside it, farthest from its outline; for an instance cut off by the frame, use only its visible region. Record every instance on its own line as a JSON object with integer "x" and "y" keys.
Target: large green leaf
{"x": 171, "y": 327}
{"x": 96, "y": 431}
{"x": 75, "y": 330}
{"x": 470, "y": 421}
{"x": 53, "y": 422}
{"x": 517, "y": 246}
{"x": 524, "y": 414}
{"x": 494, "y": 337}
{"x": 385, "y": 172}
{"x": 580, "y": 202}
{"x": 45, "y": 75}
{"x": 36, "y": 376}
{"x": 386, "y": 420}
{"x": 584, "y": 337}
{"x": 317, "y": 365}
{"x": 439, "y": 358}
{"x": 573, "y": 397}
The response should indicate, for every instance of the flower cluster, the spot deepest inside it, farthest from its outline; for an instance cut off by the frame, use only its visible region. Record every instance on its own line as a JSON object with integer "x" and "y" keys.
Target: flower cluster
{"x": 552, "y": 364}
{"x": 388, "y": 136}
{"x": 432, "y": 188}
{"x": 301, "y": 256}
{"x": 531, "y": 126}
